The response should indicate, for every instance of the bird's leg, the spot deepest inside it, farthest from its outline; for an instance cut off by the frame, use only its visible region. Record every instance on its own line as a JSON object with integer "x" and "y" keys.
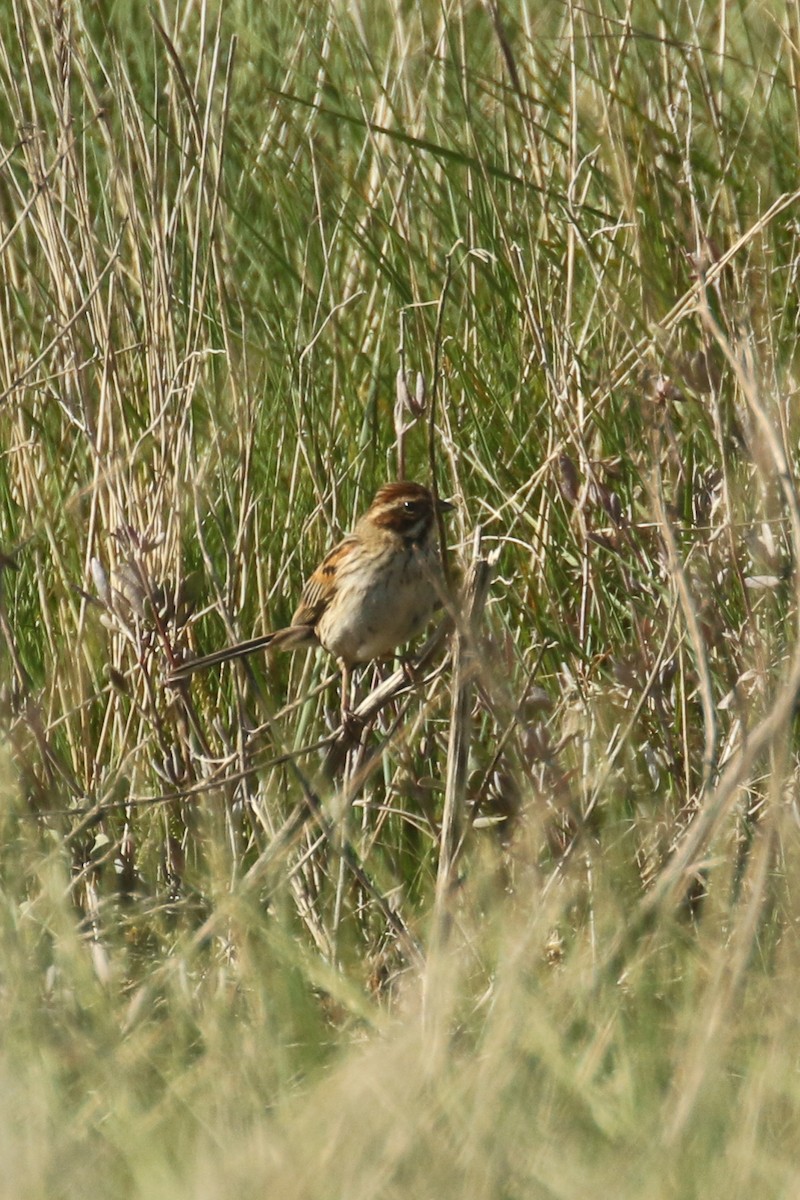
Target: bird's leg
{"x": 409, "y": 668}
{"x": 347, "y": 710}
{"x": 349, "y": 732}
{"x": 351, "y": 724}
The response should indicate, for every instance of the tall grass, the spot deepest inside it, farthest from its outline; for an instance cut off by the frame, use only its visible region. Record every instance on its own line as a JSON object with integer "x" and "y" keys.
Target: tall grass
{"x": 536, "y": 934}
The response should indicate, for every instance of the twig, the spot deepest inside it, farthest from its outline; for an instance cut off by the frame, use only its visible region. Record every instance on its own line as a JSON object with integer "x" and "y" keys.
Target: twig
{"x": 464, "y": 671}
{"x": 437, "y": 350}
{"x": 710, "y": 727}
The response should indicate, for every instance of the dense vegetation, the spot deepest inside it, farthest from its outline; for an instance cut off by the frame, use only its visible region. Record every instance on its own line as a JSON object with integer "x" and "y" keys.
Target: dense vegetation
{"x": 536, "y": 934}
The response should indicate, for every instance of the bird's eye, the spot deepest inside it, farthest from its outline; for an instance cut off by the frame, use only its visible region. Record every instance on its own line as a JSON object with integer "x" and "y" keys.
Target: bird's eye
{"x": 408, "y": 505}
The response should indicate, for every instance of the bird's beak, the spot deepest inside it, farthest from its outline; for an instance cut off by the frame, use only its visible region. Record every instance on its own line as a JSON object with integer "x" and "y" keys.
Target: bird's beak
{"x": 445, "y": 506}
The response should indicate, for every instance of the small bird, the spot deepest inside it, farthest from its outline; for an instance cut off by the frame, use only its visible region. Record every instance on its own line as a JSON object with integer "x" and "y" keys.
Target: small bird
{"x": 374, "y": 591}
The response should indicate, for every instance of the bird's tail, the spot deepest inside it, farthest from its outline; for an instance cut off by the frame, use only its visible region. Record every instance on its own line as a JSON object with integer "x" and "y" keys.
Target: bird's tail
{"x": 291, "y": 638}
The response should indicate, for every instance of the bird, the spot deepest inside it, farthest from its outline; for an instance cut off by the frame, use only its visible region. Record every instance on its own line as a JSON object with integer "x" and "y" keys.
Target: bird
{"x": 374, "y": 591}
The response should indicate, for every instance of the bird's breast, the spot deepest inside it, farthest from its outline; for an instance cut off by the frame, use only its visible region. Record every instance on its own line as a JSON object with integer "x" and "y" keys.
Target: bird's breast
{"x": 379, "y": 608}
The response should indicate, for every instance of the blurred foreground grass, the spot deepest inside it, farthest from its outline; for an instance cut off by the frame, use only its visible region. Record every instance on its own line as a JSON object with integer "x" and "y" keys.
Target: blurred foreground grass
{"x": 224, "y": 232}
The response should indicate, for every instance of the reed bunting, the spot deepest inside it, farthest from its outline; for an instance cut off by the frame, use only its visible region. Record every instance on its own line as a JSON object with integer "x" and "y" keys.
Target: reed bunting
{"x": 374, "y": 591}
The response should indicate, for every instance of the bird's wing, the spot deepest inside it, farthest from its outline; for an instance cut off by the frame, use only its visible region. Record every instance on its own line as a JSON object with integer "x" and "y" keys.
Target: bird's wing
{"x": 321, "y": 586}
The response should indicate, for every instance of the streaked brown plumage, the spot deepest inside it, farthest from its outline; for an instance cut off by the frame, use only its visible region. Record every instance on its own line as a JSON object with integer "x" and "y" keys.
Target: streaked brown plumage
{"x": 374, "y": 591}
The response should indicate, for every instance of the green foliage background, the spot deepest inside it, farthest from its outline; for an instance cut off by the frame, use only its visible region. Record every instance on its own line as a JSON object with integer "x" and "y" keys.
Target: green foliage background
{"x": 224, "y": 229}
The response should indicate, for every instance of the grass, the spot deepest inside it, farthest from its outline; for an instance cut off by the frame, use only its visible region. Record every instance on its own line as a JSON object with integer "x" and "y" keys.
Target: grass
{"x": 545, "y": 946}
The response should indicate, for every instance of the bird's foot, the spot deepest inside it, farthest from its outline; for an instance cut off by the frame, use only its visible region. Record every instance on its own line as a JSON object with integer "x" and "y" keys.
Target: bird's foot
{"x": 352, "y": 726}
